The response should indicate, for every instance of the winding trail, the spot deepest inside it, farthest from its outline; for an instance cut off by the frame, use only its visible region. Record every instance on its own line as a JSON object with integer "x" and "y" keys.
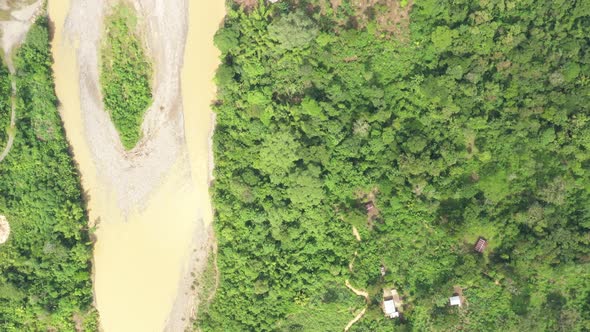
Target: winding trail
{"x": 362, "y": 313}
{"x": 358, "y": 292}
{"x": 12, "y": 130}
{"x": 355, "y": 319}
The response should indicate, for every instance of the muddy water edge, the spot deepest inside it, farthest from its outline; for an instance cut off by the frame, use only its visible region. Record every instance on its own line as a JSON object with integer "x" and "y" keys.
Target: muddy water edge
{"x": 141, "y": 260}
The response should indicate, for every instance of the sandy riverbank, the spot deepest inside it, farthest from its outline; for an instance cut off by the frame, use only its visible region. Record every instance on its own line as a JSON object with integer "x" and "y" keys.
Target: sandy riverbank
{"x": 151, "y": 204}
{"x": 198, "y": 90}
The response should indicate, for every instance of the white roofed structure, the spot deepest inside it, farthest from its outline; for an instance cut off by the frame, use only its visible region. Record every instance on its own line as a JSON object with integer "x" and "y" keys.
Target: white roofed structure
{"x": 391, "y": 303}
{"x": 455, "y": 300}
{"x": 389, "y": 309}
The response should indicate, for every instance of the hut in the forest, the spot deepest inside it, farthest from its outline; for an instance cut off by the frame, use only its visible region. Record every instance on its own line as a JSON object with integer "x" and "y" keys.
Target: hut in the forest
{"x": 481, "y": 245}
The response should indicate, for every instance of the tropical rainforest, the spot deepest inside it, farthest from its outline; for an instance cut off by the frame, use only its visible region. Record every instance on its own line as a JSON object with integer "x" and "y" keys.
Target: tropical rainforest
{"x": 125, "y": 74}
{"x": 449, "y": 120}
{"x": 45, "y": 282}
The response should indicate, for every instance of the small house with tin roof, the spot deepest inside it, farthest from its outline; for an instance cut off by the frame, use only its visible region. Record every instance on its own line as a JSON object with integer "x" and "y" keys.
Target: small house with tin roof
{"x": 481, "y": 245}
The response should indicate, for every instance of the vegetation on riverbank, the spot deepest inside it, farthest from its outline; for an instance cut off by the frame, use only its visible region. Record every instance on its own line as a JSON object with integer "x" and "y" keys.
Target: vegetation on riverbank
{"x": 125, "y": 75}
{"x": 470, "y": 121}
{"x": 45, "y": 281}
{"x": 5, "y": 106}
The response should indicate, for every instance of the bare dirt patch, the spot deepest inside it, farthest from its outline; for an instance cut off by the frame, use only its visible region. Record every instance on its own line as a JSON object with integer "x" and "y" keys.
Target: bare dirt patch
{"x": 17, "y": 18}
{"x": 4, "y": 229}
{"x": 247, "y": 4}
{"x": 391, "y": 16}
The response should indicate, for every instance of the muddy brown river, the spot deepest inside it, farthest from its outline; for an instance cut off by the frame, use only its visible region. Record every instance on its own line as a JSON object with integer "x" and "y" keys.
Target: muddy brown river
{"x": 141, "y": 259}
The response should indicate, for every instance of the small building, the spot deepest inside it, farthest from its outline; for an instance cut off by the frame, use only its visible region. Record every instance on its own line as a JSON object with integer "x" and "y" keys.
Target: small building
{"x": 369, "y": 206}
{"x": 389, "y": 308}
{"x": 455, "y": 300}
{"x": 392, "y": 304}
{"x": 481, "y": 245}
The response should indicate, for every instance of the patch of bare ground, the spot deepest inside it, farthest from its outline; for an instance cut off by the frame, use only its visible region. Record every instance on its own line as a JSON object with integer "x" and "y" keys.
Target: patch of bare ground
{"x": 392, "y": 17}
{"x": 247, "y": 4}
{"x": 78, "y": 322}
{"x": 15, "y": 21}
{"x": 335, "y": 4}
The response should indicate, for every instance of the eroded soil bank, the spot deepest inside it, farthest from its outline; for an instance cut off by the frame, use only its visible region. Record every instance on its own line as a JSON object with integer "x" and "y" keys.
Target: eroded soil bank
{"x": 151, "y": 205}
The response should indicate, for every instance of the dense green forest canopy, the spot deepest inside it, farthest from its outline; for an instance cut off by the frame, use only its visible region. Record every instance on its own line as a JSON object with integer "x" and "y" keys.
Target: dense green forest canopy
{"x": 45, "y": 282}
{"x": 125, "y": 75}
{"x": 466, "y": 119}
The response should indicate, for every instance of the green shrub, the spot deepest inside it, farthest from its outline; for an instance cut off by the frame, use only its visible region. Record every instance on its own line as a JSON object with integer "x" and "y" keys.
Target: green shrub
{"x": 125, "y": 75}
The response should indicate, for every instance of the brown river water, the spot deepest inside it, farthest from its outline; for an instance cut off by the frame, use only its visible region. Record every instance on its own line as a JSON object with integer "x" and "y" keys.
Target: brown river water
{"x": 138, "y": 263}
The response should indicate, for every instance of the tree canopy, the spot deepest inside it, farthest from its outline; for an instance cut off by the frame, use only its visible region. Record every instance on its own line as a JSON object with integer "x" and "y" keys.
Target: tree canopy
{"x": 472, "y": 122}
{"x": 45, "y": 281}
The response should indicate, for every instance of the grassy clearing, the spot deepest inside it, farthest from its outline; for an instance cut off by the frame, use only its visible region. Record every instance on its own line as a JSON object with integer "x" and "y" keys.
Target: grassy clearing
{"x": 125, "y": 74}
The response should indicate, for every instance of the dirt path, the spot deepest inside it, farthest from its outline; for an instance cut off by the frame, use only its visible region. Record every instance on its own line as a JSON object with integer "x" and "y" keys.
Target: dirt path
{"x": 151, "y": 204}
{"x": 359, "y": 293}
{"x": 355, "y": 319}
{"x": 356, "y": 291}
{"x": 12, "y": 130}
{"x": 356, "y": 234}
